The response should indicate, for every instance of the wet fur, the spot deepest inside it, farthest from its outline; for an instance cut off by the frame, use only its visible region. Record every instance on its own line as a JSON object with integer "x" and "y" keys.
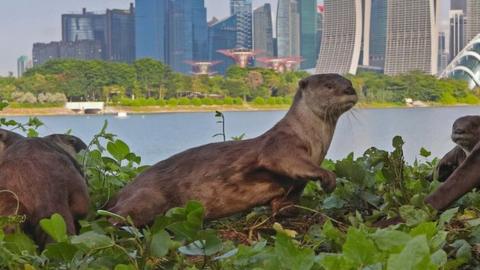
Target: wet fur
{"x": 46, "y": 180}
{"x": 232, "y": 177}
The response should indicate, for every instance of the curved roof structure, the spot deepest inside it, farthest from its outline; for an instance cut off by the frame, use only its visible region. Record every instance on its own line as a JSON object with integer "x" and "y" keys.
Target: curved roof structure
{"x": 466, "y": 65}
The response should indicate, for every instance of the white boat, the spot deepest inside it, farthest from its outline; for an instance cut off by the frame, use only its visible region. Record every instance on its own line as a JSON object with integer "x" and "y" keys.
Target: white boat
{"x": 122, "y": 114}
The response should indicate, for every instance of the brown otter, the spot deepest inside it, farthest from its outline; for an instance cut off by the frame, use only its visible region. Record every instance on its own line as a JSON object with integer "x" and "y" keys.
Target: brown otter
{"x": 460, "y": 167}
{"x": 231, "y": 177}
{"x": 466, "y": 134}
{"x": 38, "y": 178}
{"x": 8, "y": 138}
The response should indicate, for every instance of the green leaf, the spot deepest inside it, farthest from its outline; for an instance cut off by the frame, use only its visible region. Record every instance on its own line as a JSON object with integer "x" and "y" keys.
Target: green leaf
{"x": 398, "y": 142}
{"x": 412, "y": 257}
{"x": 124, "y": 267}
{"x": 425, "y": 153}
{"x": 390, "y": 240}
{"x": 55, "y": 227}
{"x": 160, "y": 244}
{"x": 446, "y": 216}
{"x": 92, "y": 240}
{"x": 60, "y": 251}
{"x": 359, "y": 248}
{"x": 19, "y": 243}
{"x": 118, "y": 149}
{"x": 291, "y": 256}
{"x": 413, "y": 216}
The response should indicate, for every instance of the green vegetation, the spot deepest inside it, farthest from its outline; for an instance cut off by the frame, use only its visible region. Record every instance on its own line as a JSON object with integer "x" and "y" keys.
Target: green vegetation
{"x": 150, "y": 83}
{"x": 330, "y": 231}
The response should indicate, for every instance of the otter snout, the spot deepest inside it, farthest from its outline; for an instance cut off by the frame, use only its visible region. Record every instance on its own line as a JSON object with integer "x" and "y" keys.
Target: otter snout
{"x": 349, "y": 91}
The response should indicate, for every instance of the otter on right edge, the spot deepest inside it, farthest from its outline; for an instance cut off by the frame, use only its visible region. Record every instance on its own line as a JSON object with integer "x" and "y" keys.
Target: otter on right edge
{"x": 232, "y": 177}
{"x": 466, "y": 134}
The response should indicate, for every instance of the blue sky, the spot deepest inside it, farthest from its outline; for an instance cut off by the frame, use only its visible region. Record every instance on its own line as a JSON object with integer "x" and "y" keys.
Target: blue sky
{"x": 23, "y": 22}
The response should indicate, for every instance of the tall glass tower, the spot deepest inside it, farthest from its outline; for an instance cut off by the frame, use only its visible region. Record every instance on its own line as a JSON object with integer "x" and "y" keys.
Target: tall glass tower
{"x": 150, "y": 29}
{"x": 200, "y": 30}
{"x": 457, "y": 32}
{"x": 378, "y": 33}
{"x": 308, "y": 33}
{"x": 222, "y": 35}
{"x": 180, "y": 35}
{"x": 288, "y": 28}
{"x": 473, "y": 17}
{"x": 263, "y": 31}
{"x": 243, "y": 10}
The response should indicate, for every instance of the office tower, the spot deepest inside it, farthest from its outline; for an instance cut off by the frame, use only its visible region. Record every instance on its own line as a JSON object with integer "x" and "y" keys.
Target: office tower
{"x": 466, "y": 65}
{"x": 222, "y": 35}
{"x": 473, "y": 17}
{"x": 81, "y": 50}
{"x": 243, "y": 10}
{"x": 419, "y": 49}
{"x": 84, "y": 26}
{"x": 288, "y": 28}
{"x": 320, "y": 10}
{"x": 457, "y": 32}
{"x": 180, "y": 35}
{"x": 22, "y": 65}
{"x": 443, "y": 55}
{"x": 308, "y": 32}
{"x": 342, "y": 37}
{"x": 120, "y": 35}
{"x": 378, "y": 33}
{"x": 150, "y": 29}
{"x": 263, "y": 31}
{"x": 459, "y": 5}
{"x": 200, "y": 31}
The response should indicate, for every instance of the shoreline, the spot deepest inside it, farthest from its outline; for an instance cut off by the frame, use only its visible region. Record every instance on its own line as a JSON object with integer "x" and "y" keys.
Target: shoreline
{"x": 113, "y": 110}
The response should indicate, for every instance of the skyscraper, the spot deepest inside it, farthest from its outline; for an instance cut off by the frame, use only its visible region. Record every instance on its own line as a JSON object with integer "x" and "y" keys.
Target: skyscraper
{"x": 473, "y": 16}
{"x": 200, "y": 31}
{"x": 243, "y": 10}
{"x": 320, "y": 10}
{"x": 457, "y": 32}
{"x": 81, "y": 49}
{"x": 222, "y": 35}
{"x": 180, "y": 35}
{"x": 120, "y": 35}
{"x": 263, "y": 31}
{"x": 378, "y": 33}
{"x": 342, "y": 37}
{"x": 288, "y": 28}
{"x": 22, "y": 65}
{"x": 459, "y": 5}
{"x": 308, "y": 33}
{"x": 84, "y": 26}
{"x": 417, "y": 50}
{"x": 150, "y": 29}
{"x": 443, "y": 55}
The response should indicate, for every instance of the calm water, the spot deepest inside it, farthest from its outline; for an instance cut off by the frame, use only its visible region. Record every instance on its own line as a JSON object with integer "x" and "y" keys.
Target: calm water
{"x": 158, "y": 136}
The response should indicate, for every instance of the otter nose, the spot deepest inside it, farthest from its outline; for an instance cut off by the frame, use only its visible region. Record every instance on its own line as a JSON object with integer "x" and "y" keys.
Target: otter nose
{"x": 349, "y": 91}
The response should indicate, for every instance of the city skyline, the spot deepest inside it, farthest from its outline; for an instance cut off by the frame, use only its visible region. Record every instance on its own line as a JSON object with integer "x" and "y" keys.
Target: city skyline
{"x": 40, "y": 22}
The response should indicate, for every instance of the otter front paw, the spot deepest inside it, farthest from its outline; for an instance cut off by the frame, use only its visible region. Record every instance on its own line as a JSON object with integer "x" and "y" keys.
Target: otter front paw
{"x": 329, "y": 181}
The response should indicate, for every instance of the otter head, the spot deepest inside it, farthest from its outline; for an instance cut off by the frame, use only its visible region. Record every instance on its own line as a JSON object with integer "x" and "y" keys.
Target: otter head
{"x": 466, "y": 132}
{"x": 327, "y": 95}
{"x": 8, "y": 138}
{"x": 70, "y": 144}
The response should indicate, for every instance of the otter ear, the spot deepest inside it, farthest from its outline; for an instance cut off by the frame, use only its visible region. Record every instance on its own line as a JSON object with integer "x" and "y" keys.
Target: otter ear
{"x": 302, "y": 84}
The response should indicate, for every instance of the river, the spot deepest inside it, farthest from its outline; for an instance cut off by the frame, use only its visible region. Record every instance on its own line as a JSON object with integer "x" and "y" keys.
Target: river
{"x": 157, "y": 136}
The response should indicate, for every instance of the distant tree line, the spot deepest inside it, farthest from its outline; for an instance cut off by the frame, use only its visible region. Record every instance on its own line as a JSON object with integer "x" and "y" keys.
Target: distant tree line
{"x": 149, "y": 82}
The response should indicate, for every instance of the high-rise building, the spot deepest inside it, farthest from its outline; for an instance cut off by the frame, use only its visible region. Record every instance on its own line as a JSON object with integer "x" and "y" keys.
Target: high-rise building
{"x": 308, "y": 33}
{"x": 180, "y": 35}
{"x": 120, "y": 35}
{"x": 23, "y": 63}
{"x": 443, "y": 55}
{"x": 288, "y": 28}
{"x": 200, "y": 31}
{"x": 81, "y": 49}
{"x": 84, "y": 26}
{"x": 459, "y": 5}
{"x": 417, "y": 50}
{"x": 263, "y": 31}
{"x": 473, "y": 16}
{"x": 222, "y": 35}
{"x": 342, "y": 37}
{"x": 320, "y": 10}
{"x": 378, "y": 33}
{"x": 150, "y": 29}
{"x": 243, "y": 10}
{"x": 457, "y": 32}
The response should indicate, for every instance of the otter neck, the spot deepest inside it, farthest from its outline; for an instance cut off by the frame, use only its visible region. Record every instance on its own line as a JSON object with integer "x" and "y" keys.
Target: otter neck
{"x": 317, "y": 132}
